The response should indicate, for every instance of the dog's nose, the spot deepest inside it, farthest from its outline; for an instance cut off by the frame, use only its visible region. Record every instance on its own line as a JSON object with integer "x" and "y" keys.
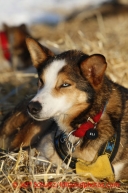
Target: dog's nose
{"x": 34, "y": 107}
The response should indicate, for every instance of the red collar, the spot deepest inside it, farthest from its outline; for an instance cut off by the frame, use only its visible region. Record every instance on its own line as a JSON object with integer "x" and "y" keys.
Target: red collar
{"x": 81, "y": 131}
{"x": 4, "y": 45}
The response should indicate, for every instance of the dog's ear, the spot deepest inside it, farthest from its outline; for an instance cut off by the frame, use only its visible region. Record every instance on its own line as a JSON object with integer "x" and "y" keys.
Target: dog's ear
{"x": 93, "y": 69}
{"x": 38, "y": 52}
{"x": 23, "y": 27}
{"x": 5, "y": 27}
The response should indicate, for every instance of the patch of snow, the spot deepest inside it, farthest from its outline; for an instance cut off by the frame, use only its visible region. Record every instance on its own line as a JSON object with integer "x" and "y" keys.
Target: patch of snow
{"x": 15, "y": 12}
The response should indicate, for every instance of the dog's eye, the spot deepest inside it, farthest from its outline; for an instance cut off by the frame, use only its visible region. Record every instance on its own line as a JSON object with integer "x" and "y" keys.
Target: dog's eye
{"x": 65, "y": 85}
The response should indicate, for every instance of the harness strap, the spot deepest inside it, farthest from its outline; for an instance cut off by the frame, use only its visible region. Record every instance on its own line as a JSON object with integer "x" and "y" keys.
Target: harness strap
{"x": 110, "y": 148}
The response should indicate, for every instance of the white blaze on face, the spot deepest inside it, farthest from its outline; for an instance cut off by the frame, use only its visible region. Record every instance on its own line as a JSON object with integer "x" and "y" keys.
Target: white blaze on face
{"x": 51, "y": 105}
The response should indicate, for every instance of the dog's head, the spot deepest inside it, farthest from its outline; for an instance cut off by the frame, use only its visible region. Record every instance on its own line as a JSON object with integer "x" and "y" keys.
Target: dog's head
{"x": 16, "y": 35}
{"x": 67, "y": 82}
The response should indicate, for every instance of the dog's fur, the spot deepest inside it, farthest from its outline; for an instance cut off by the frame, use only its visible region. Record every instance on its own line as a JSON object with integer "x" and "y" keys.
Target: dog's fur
{"x": 72, "y": 87}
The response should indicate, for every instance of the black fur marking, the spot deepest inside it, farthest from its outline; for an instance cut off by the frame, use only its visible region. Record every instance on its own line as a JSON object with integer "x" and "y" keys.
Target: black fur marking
{"x": 72, "y": 57}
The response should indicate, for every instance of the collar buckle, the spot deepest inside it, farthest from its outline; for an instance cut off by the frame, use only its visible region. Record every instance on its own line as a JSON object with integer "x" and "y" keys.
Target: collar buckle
{"x": 91, "y": 120}
{"x": 65, "y": 138}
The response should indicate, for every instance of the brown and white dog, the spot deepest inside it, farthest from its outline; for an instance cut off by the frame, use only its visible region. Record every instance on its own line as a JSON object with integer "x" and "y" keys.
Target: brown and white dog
{"x": 85, "y": 104}
{"x": 73, "y": 87}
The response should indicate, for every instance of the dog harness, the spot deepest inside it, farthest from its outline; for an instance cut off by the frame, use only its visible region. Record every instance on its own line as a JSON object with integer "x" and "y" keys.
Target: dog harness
{"x": 4, "y": 45}
{"x": 100, "y": 167}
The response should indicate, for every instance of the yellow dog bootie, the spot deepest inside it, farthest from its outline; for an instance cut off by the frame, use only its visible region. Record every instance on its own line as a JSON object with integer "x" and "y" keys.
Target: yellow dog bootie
{"x": 100, "y": 169}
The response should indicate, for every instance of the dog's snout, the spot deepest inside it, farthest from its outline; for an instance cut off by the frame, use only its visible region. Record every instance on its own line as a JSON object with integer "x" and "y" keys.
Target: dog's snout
{"x": 34, "y": 107}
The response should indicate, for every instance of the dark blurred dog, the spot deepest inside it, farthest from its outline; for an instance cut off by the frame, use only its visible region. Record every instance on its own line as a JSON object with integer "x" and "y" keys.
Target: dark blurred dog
{"x": 16, "y": 35}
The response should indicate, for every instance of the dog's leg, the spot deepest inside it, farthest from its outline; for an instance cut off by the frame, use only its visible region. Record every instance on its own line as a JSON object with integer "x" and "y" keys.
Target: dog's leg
{"x": 12, "y": 124}
{"x": 120, "y": 169}
{"x": 30, "y": 134}
{"x": 25, "y": 131}
{"x": 46, "y": 146}
{"x": 19, "y": 128}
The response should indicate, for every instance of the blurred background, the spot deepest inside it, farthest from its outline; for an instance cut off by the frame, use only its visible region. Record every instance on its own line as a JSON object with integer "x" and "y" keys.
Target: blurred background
{"x": 50, "y": 12}
{"x": 96, "y": 26}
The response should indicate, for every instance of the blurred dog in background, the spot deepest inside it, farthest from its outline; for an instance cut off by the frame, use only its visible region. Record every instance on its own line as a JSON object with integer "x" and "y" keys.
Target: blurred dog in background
{"x": 19, "y": 55}
{"x": 14, "y": 54}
